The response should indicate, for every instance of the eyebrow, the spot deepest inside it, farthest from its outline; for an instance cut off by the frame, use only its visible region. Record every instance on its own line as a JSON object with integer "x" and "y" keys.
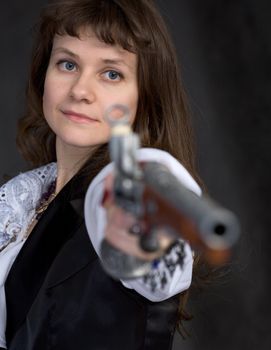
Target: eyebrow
{"x": 117, "y": 61}
{"x": 64, "y": 50}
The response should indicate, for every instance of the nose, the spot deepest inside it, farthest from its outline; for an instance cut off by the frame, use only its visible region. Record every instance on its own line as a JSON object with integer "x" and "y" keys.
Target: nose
{"x": 82, "y": 89}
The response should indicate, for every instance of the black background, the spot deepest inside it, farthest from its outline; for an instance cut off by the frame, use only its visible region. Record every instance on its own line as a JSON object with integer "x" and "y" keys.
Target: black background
{"x": 225, "y": 56}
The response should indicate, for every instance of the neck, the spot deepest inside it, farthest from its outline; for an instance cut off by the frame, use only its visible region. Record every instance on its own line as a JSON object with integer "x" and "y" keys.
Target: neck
{"x": 69, "y": 161}
{"x": 64, "y": 174}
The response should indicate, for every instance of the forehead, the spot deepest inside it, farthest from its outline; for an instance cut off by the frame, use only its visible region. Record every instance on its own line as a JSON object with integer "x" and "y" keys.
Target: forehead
{"x": 87, "y": 43}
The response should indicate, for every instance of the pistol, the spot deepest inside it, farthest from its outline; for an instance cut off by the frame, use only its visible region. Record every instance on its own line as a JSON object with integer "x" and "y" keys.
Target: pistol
{"x": 155, "y": 196}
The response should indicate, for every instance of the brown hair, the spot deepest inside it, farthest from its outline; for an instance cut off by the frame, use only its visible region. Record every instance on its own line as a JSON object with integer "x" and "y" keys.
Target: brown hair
{"x": 162, "y": 119}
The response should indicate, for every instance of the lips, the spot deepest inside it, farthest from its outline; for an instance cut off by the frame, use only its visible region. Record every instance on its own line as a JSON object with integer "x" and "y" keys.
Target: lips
{"x": 78, "y": 117}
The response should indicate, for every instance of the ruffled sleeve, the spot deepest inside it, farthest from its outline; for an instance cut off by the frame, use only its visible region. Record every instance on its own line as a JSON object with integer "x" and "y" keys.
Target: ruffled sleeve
{"x": 171, "y": 274}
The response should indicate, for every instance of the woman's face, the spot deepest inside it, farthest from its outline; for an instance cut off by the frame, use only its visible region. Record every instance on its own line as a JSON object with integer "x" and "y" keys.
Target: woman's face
{"x": 84, "y": 77}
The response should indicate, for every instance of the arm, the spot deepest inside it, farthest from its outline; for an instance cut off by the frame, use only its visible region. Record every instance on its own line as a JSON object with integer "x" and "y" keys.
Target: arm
{"x": 153, "y": 286}
{"x": 163, "y": 206}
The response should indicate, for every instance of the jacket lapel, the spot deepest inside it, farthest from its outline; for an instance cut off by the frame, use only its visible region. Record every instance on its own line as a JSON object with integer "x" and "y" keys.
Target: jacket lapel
{"x": 75, "y": 255}
{"x": 60, "y": 229}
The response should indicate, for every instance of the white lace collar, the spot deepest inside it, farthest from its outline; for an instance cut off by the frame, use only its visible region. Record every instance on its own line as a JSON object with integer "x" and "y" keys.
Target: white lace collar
{"x": 19, "y": 199}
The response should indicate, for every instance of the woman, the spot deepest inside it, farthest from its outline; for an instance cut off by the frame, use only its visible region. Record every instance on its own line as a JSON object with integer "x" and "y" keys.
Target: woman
{"x": 54, "y": 294}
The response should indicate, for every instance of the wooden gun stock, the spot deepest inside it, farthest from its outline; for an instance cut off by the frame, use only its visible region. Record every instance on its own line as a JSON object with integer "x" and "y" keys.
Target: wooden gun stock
{"x": 200, "y": 221}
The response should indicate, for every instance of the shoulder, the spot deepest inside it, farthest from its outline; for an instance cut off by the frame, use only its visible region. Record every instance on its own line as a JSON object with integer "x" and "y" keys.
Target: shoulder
{"x": 25, "y": 189}
{"x": 18, "y": 199}
{"x": 41, "y": 174}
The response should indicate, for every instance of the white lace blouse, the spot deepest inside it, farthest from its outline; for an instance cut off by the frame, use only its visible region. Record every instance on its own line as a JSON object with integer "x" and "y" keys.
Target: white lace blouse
{"x": 21, "y": 196}
{"x": 18, "y": 200}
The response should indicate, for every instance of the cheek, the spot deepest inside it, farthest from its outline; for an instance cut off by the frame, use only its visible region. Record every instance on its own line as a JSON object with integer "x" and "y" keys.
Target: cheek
{"x": 51, "y": 97}
{"x": 45, "y": 103}
{"x": 134, "y": 105}
{"x": 47, "y": 97}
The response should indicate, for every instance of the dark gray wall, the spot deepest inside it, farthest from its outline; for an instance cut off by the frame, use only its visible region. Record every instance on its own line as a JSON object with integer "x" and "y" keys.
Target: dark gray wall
{"x": 224, "y": 50}
{"x": 16, "y": 22}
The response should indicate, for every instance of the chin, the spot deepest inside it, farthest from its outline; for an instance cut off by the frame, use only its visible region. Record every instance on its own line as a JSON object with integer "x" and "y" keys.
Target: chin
{"x": 83, "y": 143}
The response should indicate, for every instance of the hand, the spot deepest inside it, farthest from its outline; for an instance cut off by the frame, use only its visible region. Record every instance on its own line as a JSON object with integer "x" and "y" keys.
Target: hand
{"x": 120, "y": 223}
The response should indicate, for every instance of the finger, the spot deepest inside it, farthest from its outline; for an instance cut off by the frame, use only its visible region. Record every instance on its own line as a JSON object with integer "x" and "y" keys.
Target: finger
{"x": 108, "y": 196}
{"x": 109, "y": 181}
{"x": 129, "y": 244}
{"x": 119, "y": 217}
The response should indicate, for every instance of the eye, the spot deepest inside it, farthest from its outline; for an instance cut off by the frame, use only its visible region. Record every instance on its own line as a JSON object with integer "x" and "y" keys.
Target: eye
{"x": 67, "y": 65}
{"x": 113, "y": 75}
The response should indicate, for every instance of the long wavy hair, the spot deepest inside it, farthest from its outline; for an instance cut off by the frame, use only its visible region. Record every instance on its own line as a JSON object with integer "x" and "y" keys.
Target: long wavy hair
{"x": 162, "y": 118}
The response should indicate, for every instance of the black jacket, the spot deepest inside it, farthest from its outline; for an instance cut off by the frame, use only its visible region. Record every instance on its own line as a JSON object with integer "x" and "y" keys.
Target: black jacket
{"x": 59, "y": 297}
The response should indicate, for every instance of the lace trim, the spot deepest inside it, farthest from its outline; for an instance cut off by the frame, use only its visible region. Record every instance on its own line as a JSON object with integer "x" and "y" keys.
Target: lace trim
{"x": 164, "y": 268}
{"x": 19, "y": 199}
